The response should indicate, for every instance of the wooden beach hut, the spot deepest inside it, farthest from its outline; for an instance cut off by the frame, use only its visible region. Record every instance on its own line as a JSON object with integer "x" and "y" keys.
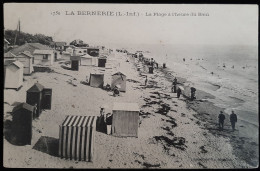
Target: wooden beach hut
{"x": 26, "y": 58}
{"x": 13, "y": 73}
{"x": 119, "y": 78}
{"x": 75, "y": 61}
{"x": 96, "y": 79}
{"x": 77, "y": 138}
{"x": 39, "y": 96}
{"x": 125, "y": 120}
{"x": 22, "y": 123}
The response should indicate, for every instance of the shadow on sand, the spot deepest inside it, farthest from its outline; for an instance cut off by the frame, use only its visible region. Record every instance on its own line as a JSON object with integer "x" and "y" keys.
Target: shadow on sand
{"x": 48, "y": 145}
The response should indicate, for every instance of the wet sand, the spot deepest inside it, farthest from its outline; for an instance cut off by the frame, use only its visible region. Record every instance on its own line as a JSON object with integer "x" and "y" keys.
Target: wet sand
{"x": 186, "y": 135}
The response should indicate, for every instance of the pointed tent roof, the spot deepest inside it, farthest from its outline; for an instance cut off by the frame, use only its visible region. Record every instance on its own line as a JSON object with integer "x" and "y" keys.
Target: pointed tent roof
{"x": 36, "y": 88}
{"x": 23, "y": 106}
{"x": 9, "y": 55}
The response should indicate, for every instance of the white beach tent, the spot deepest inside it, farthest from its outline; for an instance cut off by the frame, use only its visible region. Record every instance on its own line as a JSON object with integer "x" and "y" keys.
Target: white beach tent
{"x": 13, "y": 74}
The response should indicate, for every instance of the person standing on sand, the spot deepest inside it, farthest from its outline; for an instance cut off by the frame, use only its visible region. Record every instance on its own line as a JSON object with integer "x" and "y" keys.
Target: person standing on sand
{"x": 221, "y": 118}
{"x": 178, "y": 92}
{"x": 233, "y": 120}
{"x": 145, "y": 82}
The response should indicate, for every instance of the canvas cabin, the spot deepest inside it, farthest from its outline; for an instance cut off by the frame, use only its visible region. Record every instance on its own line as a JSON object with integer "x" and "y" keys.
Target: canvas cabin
{"x": 75, "y": 62}
{"x": 125, "y": 119}
{"x": 81, "y": 144}
{"x": 13, "y": 74}
{"x": 96, "y": 79}
{"x": 26, "y": 58}
{"x": 87, "y": 60}
{"x": 119, "y": 78}
{"x": 102, "y": 61}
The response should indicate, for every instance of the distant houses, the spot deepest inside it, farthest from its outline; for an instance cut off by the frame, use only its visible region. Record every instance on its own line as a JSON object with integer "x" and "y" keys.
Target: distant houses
{"x": 61, "y": 46}
{"x": 42, "y": 54}
{"x": 43, "y": 57}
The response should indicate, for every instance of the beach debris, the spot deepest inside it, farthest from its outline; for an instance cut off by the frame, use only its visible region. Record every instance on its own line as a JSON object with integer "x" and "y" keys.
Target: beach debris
{"x": 203, "y": 150}
{"x": 164, "y": 109}
{"x": 177, "y": 142}
{"x": 199, "y": 163}
{"x": 151, "y": 165}
{"x": 144, "y": 114}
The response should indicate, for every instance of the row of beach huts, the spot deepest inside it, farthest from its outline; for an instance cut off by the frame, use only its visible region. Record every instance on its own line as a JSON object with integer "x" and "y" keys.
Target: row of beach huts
{"x": 76, "y": 133}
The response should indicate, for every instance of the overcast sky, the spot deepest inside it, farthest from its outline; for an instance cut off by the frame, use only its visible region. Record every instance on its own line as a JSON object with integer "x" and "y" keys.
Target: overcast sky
{"x": 226, "y": 24}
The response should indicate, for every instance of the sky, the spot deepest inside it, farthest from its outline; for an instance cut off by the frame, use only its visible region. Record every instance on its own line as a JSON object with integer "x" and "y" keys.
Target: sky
{"x": 224, "y": 24}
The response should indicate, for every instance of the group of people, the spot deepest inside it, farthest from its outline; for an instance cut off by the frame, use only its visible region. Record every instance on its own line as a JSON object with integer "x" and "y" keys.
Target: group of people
{"x": 105, "y": 120}
{"x": 232, "y": 118}
{"x": 116, "y": 91}
{"x": 175, "y": 89}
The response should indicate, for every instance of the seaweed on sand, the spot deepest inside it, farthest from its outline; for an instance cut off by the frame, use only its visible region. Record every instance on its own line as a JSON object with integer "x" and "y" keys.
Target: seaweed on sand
{"x": 164, "y": 109}
{"x": 177, "y": 142}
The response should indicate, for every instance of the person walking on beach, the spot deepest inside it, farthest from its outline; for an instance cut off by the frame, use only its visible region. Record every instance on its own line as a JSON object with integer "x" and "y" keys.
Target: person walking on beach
{"x": 233, "y": 120}
{"x": 221, "y": 118}
{"x": 193, "y": 90}
{"x": 145, "y": 82}
{"x": 178, "y": 92}
{"x": 101, "y": 120}
{"x": 157, "y": 65}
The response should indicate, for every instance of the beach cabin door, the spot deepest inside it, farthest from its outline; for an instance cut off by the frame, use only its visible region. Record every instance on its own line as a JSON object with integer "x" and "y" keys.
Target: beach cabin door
{"x": 75, "y": 65}
{"x": 46, "y": 98}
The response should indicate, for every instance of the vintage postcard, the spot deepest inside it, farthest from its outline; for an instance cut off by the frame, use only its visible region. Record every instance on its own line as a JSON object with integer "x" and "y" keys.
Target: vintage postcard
{"x": 90, "y": 85}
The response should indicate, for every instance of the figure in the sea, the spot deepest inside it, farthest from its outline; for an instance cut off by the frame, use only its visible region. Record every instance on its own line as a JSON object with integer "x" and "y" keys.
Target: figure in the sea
{"x": 178, "y": 92}
{"x": 233, "y": 120}
{"x": 183, "y": 59}
{"x": 192, "y": 90}
{"x": 221, "y": 118}
{"x": 224, "y": 65}
{"x": 233, "y": 66}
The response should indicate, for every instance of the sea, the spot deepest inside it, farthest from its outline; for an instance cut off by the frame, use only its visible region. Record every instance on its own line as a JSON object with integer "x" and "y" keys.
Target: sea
{"x": 228, "y": 72}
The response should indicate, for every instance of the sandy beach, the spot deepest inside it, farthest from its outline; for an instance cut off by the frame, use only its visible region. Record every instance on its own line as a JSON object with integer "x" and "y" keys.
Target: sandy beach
{"x": 187, "y": 136}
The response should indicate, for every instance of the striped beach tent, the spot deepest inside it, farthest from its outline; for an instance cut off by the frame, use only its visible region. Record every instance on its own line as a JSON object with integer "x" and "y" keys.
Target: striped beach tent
{"x": 77, "y": 137}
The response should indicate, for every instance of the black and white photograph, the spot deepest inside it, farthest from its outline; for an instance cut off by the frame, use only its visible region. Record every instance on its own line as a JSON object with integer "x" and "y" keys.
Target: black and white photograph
{"x": 132, "y": 86}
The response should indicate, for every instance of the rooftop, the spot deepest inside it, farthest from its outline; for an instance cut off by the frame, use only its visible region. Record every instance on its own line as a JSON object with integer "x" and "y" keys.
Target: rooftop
{"x": 24, "y": 106}
{"x": 126, "y": 106}
{"x": 37, "y": 51}
{"x": 36, "y": 88}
